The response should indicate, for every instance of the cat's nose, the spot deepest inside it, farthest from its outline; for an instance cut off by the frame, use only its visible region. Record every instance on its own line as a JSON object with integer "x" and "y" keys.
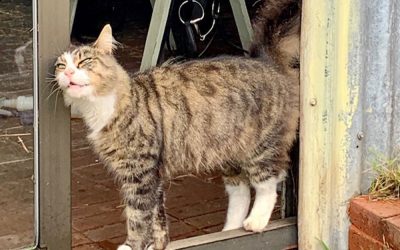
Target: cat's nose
{"x": 69, "y": 72}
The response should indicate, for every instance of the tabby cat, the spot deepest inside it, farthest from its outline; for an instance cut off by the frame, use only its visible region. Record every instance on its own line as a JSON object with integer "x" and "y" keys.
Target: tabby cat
{"x": 234, "y": 115}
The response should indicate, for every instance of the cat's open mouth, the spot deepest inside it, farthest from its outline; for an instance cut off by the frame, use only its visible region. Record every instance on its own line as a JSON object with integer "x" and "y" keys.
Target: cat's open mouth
{"x": 76, "y": 85}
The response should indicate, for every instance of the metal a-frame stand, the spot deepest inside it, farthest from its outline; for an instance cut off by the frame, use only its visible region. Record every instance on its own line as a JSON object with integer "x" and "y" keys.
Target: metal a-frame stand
{"x": 158, "y": 22}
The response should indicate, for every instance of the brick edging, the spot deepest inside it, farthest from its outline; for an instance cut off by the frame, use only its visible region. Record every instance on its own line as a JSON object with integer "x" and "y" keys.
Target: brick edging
{"x": 374, "y": 223}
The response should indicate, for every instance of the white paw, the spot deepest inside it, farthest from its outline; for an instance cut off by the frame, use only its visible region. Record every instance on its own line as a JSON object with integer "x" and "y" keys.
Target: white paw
{"x": 124, "y": 247}
{"x": 255, "y": 223}
{"x": 151, "y": 247}
{"x": 229, "y": 227}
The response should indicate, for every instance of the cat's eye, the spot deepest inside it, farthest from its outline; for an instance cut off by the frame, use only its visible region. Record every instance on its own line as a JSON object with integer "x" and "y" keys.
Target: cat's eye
{"x": 60, "y": 66}
{"x": 84, "y": 62}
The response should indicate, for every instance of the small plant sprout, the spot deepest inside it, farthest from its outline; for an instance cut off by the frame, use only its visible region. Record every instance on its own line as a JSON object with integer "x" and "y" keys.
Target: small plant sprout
{"x": 387, "y": 182}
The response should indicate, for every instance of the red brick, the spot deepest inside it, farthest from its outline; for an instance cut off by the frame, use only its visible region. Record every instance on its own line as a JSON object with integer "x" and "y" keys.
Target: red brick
{"x": 214, "y": 229}
{"x": 79, "y": 133}
{"x": 191, "y": 190}
{"x": 367, "y": 215}
{"x": 171, "y": 218}
{"x": 96, "y": 173}
{"x": 79, "y": 239}
{"x": 85, "y": 192}
{"x": 185, "y": 236}
{"x": 97, "y": 221}
{"x": 106, "y": 232}
{"x": 77, "y": 125}
{"x": 107, "y": 245}
{"x": 79, "y": 141}
{"x": 207, "y": 220}
{"x": 392, "y": 231}
{"x": 358, "y": 240}
{"x": 379, "y": 208}
{"x": 94, "y": 209}
{"x": 83, "y": 157}
{"x": 118, "y": 240}
{"x": 82, "y": 152}
{"x": 276, "y": 214}
{"x": 180, "y": 230}
{"x": 90, "y": 246}
{"x": 198, "y": 209}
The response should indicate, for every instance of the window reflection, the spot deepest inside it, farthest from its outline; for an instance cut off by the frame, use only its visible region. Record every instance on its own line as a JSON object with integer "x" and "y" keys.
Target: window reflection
{"x": 16, "y": 118}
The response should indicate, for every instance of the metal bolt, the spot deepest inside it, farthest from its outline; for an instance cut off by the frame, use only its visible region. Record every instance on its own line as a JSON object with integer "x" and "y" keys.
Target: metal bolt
{"x": 313, "y": 102}
{"x": 360, "y": 135}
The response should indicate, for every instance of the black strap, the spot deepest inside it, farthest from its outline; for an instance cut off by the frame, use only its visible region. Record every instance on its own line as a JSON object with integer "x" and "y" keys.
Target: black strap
{"x": 190, "y": 40}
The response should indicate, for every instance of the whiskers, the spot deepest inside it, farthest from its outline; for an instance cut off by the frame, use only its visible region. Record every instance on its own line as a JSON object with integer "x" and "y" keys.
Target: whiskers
{"x": 51, "y": 76}
{"x": 51, "y": 81}
{"x": 55, "y": 104}
{"x": 55, "y": 90}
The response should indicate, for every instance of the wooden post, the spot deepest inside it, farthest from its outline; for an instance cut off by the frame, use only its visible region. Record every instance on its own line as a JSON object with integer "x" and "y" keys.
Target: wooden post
{"x": 329, "y": 101}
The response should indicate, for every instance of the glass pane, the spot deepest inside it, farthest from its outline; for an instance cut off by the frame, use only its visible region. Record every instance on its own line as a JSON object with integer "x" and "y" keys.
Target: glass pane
{"x": 16, "y": 131}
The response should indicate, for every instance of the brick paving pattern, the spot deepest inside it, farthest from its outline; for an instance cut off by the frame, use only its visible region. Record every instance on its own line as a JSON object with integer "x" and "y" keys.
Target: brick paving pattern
{"x": 97, "y": 212}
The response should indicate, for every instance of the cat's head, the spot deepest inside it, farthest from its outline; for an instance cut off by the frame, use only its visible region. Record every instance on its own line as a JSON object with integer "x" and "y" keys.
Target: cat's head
{"x": 89, "y": 70}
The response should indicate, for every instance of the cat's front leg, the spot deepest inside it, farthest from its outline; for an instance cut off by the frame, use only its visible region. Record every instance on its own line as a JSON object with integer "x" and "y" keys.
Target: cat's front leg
{"x": 160, "y": 227}
{"x": 142, "y": 198}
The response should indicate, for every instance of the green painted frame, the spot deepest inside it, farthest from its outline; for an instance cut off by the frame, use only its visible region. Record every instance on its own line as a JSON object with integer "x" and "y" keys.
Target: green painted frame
{"x": 52, "y": 136}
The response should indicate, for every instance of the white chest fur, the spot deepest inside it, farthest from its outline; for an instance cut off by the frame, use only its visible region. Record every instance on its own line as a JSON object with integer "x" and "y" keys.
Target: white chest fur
{"x": 96, "y": 111}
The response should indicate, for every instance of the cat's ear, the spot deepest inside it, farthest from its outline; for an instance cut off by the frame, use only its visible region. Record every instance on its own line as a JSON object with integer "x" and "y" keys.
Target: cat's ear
{"x": 106, "y": 42}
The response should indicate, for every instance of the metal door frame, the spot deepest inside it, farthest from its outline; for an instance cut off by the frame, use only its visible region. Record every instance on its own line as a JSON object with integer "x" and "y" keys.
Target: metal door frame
{"x": 52, "y": 148}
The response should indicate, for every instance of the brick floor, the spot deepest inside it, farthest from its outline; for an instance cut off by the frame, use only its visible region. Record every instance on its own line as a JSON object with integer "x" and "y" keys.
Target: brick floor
{"x": 97, "y": 222}
{"x": 97, "y": 212}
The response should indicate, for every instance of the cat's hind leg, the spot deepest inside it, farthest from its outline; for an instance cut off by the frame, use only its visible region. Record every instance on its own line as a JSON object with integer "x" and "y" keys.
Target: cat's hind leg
{"x": 238, "y": 190}
{"x": 264, "y": 204}
{"x": 265, "y": 172}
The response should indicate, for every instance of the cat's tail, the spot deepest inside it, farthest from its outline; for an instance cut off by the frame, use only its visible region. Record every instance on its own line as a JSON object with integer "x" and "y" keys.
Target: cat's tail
{"x": 277, "y": 34}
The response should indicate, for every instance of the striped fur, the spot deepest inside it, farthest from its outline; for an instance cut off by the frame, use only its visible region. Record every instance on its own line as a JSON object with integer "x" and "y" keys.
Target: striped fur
{"x": 234, "y": 115}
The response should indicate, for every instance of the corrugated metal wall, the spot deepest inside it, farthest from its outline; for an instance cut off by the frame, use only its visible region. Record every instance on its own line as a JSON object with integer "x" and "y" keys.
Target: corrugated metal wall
{"x": 375, "y": 68}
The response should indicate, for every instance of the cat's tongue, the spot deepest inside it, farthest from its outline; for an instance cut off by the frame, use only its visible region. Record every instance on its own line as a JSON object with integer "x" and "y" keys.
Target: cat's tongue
{"x": 74, "y": 86}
